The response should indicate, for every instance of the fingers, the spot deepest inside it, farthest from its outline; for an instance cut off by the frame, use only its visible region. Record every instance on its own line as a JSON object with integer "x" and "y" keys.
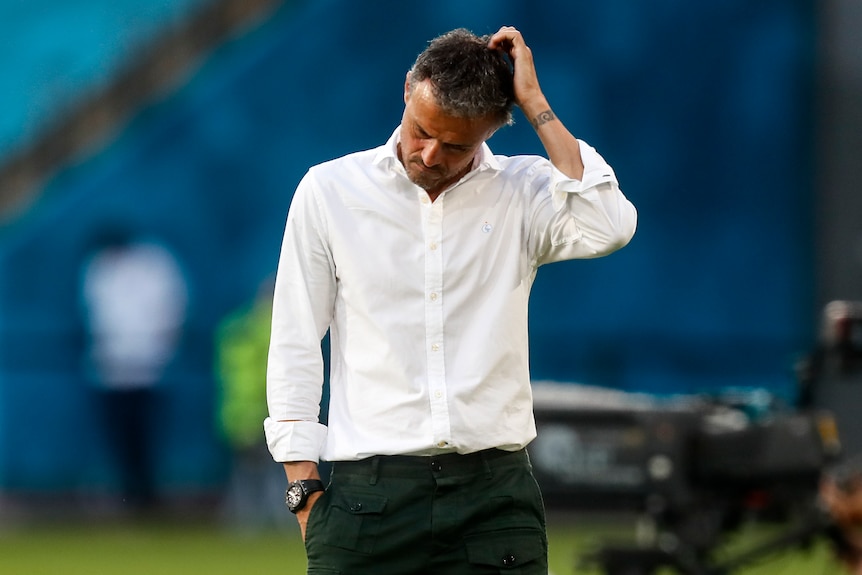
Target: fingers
{"x": 505, "y": 39}
{"x": 303, "y": 514}
{"x": 302, "y": 519}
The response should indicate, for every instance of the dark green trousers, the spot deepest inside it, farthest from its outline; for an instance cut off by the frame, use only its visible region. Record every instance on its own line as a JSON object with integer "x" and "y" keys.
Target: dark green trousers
{"x": 454, "y": 514}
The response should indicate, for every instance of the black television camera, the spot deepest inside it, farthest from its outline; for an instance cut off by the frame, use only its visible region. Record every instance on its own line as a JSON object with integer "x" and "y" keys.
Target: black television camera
{"x": 693, "y": 471}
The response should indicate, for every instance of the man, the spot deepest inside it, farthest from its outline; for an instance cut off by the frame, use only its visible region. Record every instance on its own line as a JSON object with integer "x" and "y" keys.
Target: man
{"x": 418, "y": 257}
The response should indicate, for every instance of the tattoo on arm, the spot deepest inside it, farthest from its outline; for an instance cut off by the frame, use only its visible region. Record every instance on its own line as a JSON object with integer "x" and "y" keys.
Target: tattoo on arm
{"x": 543, "y": 118}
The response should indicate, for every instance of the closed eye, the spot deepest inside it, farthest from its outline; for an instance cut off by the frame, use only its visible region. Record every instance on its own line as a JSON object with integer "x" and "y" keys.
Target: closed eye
{"x": 423, "y": 135}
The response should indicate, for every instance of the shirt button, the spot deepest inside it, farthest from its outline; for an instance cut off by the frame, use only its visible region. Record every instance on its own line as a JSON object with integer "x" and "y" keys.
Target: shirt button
{"x": 442, "y": 443}
{"x": 509, "y": 560}
{"x": 435, "y": 347}
{"x": 438, "y": 394}
{"x": 433, "y": 246}
{"x": 433, "y": 296}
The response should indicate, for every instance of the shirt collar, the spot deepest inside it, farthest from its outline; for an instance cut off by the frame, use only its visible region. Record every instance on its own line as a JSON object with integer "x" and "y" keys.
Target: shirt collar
{"x": 387, "y": 155}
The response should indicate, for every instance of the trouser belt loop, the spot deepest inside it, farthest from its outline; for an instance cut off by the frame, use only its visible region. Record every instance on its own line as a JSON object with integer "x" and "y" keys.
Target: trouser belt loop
{"x": 375, "y": 470}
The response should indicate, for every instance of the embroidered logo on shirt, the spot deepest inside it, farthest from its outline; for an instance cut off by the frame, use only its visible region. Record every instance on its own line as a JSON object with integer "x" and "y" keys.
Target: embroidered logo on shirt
{"x": 486, "y": 228}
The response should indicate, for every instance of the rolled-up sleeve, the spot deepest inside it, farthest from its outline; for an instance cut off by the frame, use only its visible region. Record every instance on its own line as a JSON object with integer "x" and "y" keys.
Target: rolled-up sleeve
{"x": 589, "y": 217}
{"x": 294, "y": 440}
{"x": 302, "y": 311}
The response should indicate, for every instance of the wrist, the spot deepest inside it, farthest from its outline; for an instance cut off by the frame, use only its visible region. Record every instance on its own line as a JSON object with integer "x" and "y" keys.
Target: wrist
{"x": 534, "y": 107}
{"x": 295, "y": 470}
{"x": 301, "y": 491}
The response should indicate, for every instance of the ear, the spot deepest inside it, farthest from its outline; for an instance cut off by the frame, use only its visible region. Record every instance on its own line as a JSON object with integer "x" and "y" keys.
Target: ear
{"x": 407, "y": 87}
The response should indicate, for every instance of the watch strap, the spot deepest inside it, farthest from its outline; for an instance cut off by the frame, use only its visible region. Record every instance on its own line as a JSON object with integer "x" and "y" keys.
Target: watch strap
{"x": 310, "y": 486}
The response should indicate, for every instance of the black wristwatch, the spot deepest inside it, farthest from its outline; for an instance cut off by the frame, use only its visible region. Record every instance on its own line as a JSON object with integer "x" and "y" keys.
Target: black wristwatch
{"x": 298, "y": 492}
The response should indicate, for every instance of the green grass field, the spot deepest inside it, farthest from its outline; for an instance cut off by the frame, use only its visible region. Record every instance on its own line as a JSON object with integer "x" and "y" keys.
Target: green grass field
{"x": 195, "y": 547}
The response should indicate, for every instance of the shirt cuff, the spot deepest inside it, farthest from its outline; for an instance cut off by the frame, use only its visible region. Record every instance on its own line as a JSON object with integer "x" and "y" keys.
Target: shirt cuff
{"x": 294, "y": 440}
{"x": 596, "y": 171}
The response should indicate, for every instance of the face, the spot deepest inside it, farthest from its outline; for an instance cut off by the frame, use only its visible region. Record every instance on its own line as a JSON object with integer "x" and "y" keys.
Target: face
{"x": 438, "y": 149}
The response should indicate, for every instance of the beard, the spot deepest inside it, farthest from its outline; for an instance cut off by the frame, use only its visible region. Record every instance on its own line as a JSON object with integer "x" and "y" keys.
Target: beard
{"x": 436, "y": 178}
{"x": 425, "y": 177}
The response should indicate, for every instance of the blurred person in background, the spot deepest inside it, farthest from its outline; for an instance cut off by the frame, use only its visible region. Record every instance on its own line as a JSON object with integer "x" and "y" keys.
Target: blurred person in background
{"x": 418, "y": 257}
{"x": 242, "y": 344}
{"x": 135, "y": 300}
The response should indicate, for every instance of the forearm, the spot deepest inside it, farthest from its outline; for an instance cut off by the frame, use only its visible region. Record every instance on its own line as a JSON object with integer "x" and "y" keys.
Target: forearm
{"x": 561, "y": 146}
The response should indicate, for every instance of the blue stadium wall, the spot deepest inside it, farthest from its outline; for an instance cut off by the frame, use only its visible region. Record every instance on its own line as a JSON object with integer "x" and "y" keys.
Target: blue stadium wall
{"x": 703, "y": 108}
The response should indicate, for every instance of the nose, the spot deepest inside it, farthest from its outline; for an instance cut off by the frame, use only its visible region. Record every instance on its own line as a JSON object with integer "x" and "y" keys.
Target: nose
{"x": 431, "y": 153}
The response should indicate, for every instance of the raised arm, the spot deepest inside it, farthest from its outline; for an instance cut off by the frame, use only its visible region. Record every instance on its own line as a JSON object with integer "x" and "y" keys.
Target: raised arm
{"x": 561, "y": 146}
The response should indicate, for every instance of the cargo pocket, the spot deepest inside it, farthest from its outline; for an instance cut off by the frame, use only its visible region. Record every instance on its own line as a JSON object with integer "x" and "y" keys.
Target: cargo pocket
{"x": 354, "y": 520}
{"x": 522, "y": 551}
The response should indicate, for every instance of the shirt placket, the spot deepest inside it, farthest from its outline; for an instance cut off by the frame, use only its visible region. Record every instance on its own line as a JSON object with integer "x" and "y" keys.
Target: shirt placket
{"x": 434, "y": 340}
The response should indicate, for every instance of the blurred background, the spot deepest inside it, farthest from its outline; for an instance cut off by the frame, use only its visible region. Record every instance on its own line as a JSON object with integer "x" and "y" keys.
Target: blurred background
{"x": 149, "y": 151}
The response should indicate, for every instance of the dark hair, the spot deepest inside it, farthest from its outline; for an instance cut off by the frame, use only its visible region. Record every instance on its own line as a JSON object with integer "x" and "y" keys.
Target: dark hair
{"x": 468, "y": 79}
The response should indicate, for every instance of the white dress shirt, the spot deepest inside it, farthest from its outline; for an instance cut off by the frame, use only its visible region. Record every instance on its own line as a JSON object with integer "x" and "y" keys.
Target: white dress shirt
{"x": 426, "y": 302}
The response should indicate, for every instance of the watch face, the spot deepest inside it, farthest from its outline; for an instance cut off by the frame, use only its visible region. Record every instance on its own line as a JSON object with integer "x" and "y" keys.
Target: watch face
{"x": 294, "y": 496}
